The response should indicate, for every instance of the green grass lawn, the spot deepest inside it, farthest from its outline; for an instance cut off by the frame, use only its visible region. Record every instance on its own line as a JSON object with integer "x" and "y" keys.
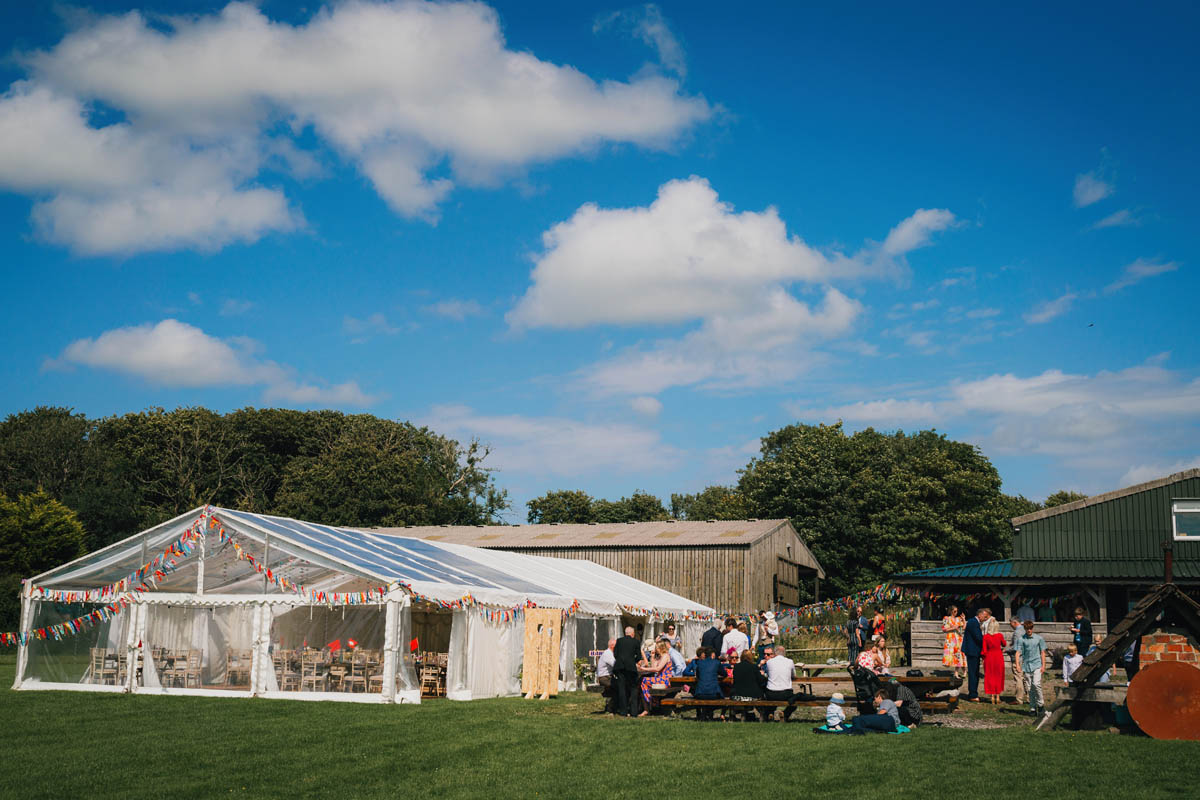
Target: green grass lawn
{"x": 77, "y": 745}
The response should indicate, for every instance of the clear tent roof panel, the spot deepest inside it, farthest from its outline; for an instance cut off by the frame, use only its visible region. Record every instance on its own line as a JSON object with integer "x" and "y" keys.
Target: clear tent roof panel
{"x": 320, "y": 556}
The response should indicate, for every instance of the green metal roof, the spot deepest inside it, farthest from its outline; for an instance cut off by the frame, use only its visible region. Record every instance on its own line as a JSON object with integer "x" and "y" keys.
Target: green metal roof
{"x": 1117, "y": 528}
{"x": 1027, "y": 569}
{"x": 1001, "y": 568}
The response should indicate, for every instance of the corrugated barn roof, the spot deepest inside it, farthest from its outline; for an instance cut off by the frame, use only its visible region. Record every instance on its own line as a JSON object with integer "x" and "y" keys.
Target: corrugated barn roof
{"x": 669, "y": 533}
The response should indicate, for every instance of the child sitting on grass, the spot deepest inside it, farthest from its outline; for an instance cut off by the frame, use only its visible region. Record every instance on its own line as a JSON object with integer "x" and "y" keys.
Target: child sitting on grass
{"x": 835, "y": 715}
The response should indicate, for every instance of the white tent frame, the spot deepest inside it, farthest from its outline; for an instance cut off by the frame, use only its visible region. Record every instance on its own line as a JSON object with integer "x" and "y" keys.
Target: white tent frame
{"x": 608, "y": 595}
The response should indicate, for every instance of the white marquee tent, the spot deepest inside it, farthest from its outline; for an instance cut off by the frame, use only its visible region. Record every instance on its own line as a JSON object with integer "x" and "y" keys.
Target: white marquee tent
{"x": 225, "y": 602}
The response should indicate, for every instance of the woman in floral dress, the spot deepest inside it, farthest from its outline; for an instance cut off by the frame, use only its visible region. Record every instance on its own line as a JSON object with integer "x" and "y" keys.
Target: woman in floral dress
{"x": 661, "y": 672}
{"x": 953, "y": 624}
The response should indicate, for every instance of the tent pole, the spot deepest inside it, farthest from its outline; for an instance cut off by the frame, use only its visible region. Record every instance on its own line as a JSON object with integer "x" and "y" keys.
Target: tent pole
{"x": 256, "y": 639}
{"x": 132, "y": 650}
{"x": 389, "y": 651}
{"x": 200, "y": 563}
{"x": 26, "y": 622}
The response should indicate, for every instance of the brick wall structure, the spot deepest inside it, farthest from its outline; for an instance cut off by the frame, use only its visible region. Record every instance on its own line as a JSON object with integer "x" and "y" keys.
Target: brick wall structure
{"x": 1168, "y": 647}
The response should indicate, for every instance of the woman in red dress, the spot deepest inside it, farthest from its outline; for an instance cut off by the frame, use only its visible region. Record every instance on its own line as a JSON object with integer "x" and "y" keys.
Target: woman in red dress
{"x": 993, "y": 661}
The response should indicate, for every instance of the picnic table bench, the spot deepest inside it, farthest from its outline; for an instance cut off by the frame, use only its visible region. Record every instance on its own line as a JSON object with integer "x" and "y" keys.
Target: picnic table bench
{"x": 677, "y": 703}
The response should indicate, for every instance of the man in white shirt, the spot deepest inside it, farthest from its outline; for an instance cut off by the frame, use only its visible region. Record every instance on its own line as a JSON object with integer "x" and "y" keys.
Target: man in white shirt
{"x": 780, "y": 670}
{"x": 604, "y": 669}
{"x": 734, "y": 640}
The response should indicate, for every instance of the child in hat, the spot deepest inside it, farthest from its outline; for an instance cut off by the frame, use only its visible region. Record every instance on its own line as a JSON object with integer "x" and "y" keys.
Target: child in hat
{"x": 835, "y": 715}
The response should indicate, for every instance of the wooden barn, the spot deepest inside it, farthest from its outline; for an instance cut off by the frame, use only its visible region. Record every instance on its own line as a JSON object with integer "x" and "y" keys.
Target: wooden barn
{"x": 1104, "y": 553}
{"x": 737, "y": 566}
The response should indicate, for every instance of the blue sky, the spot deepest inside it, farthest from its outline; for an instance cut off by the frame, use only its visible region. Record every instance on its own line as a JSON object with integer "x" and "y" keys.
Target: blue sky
{"x": 618, "y": 243}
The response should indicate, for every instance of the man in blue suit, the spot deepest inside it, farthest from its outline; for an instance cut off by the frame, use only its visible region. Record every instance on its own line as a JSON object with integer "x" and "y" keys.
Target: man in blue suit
{"x": 972, "y": 648}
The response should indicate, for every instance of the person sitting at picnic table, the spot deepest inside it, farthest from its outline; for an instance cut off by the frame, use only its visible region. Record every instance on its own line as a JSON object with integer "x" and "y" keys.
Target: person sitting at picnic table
{"x": 867, "y": 660}
{"x": 876, "y": 658}
{"x": 709, "y": 673}
{"x": 604, "y": 671}
{"x": 779, "y": 671}
{"x": 677, "y": 660}
{"x": 672, "y": 637}
{"x": 885, "y": 721}
{"x": 735, "y": 640}
{"x": 657, "y": 671}
{"x": 747, "y": 683}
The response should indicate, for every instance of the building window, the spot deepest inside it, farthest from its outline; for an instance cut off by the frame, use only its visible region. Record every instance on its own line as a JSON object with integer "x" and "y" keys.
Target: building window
{"x": 1185, "y": 518}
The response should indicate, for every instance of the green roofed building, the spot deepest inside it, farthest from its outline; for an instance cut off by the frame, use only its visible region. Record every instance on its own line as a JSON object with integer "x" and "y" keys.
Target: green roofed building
{"x": 1102, "y": 553}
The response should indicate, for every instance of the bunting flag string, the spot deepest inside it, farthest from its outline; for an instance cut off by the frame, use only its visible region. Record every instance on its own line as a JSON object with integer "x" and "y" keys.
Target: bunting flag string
{"x": 370, "y": 596}
{"x": 70, "y": 627}
{"x": 143, "y": 579}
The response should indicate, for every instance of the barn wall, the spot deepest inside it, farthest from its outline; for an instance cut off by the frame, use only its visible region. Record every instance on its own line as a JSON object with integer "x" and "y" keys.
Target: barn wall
{"x": 762, "y": 565}
{"x": 714, "y": 576}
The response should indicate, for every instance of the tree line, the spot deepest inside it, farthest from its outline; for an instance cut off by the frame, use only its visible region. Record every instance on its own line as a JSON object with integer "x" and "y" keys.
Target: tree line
{"x": 112, "y": 477}
{"x": 868, "y": 504}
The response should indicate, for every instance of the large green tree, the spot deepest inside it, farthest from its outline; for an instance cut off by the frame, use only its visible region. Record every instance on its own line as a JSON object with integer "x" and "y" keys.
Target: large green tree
{"x": 578, "y": 506}
{"x": 873, "y": 504}
{"x": 714, "y": 502}
{"x": 1062, "y": 497}
{"x": 379, "y": 472}
{"x": 36, "y": 533}
{"x": 125, "y": 473}
{"x": 564, "y": 505}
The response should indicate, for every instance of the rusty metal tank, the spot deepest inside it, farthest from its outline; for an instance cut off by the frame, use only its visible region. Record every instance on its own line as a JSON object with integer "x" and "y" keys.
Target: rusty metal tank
{"x": 1164, "y": 700}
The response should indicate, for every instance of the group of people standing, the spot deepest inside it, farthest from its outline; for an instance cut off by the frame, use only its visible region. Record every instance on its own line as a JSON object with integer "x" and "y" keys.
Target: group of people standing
{"x": 979, "y": 640}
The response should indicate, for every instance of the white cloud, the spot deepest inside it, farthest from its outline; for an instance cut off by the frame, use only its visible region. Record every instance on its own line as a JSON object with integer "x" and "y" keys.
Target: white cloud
{"x": 173, "y": 353}
{"x": 1117, "y": 219}
{"x": 1091, "y": 422}
{"x": 890, "y": 411}
{"x": 121, "y": 188}
{"x": 1090, "y": 188}
{"x": 730, "y": 353}
{"x": 375, "y": 324}
{"x": 1148, "y": 472}
{"x": 917, "y": 230}
{"x": 648, "y": 24}
{"x": 1050, "y": 309}
{"x": 983, "y": 313}
{"x": 688, "y": 257}
{"x": 555, "y": 445}
{"x": 457, "y": 310}
{"x": 194, "y": 298}
{"x": 233, "y": 308}
{"x": 646, "y": 406}
{"x": 417, "y": 95}
{"x": 1138, "y": 271}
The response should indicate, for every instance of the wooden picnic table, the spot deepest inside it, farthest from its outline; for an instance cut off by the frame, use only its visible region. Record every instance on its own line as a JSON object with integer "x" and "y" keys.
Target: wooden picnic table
{"x": 813, "y": 670}
{"x": 922, "y": 686}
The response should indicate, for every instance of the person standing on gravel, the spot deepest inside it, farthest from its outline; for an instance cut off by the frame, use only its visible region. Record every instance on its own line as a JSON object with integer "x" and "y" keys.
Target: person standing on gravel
{"x": 1031, "y": 653}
